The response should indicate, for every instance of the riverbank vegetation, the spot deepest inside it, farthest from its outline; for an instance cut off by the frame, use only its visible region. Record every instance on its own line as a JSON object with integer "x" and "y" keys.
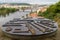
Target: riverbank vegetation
{"x": 53, "y": 13}
{"x": 6, "y": 11}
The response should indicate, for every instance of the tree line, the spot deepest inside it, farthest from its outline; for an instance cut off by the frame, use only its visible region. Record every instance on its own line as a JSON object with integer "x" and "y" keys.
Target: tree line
{"x": 52, "y": 12}
{"x": 6, "y": 11}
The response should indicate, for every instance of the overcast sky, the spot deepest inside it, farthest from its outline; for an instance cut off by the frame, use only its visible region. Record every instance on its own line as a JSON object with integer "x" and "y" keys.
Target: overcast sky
{"x": 29, "y": 1}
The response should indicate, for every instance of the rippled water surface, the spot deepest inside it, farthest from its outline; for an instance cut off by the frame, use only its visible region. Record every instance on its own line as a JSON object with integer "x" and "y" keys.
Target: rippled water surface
{"x": 11, "y": 16}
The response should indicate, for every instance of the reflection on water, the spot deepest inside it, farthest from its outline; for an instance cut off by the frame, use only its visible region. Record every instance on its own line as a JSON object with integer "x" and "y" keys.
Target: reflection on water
{"x": 11, "y": 16}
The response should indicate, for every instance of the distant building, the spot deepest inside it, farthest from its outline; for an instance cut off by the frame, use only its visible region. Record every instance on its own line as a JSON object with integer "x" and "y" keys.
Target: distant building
{"x": 42, "y": 9}
{"x": 13, "y": 6}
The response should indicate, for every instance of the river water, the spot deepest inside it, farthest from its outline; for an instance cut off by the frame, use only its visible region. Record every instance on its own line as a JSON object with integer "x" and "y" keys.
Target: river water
{"x": 11, "y": 16}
